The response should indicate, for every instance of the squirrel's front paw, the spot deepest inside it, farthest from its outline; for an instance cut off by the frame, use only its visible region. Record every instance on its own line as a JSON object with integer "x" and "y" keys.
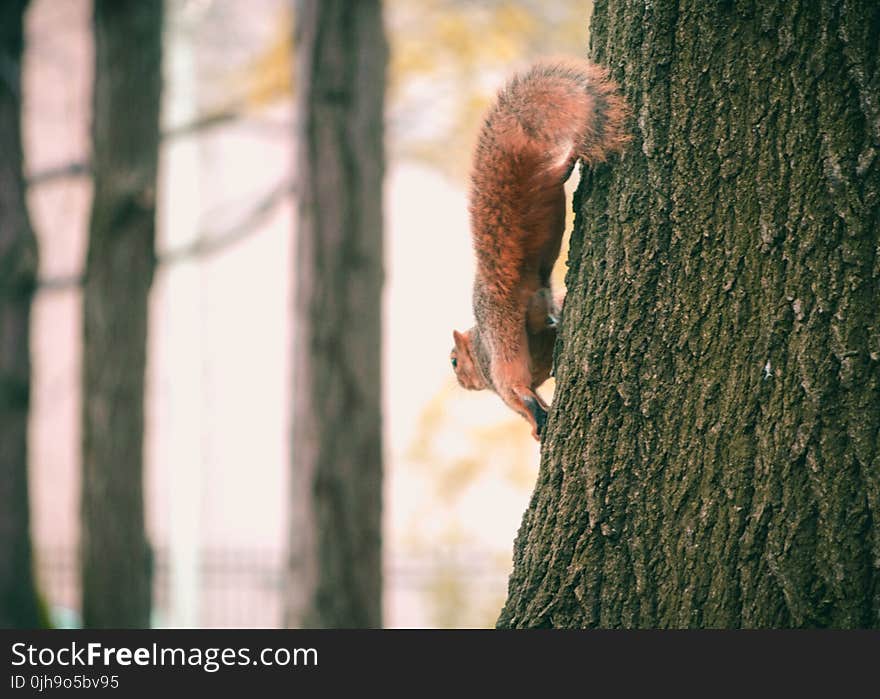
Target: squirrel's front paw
{"x": 530, "y": 405}
{"x": 538, "y": 416}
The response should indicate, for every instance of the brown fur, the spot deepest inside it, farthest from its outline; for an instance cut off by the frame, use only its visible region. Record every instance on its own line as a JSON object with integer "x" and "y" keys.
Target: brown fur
{"x": 542, "y": 122}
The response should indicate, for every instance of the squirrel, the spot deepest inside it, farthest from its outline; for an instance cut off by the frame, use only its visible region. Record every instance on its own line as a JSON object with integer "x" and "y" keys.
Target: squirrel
{"x": 542, "y": 122}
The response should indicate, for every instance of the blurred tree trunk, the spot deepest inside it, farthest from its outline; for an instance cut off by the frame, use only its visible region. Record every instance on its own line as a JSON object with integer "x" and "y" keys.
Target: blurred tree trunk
{"x": 712, "y": 457}
{"x": 115, "y": 557}
{"x": 18, "y": 271}
{"x": 335, "y": 536}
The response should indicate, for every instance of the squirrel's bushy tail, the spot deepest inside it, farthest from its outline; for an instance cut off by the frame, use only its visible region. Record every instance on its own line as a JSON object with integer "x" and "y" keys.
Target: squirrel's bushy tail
{"x": 605, "y": 133}
{"x": 563, "y": 109}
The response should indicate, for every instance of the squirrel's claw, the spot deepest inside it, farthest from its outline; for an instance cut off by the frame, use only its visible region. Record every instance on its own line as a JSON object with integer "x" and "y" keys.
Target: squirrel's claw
{"x": 539, "y": 415}
{"x": 511, "y": 381}
{"x": 536, "y": 413}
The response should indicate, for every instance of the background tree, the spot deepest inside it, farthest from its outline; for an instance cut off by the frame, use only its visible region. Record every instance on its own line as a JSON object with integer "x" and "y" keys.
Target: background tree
{"x": 18, "y": 271}
{"x": 712, "y": 456}
{"x": 116, "y": 575}
{"x": 335, "y": 558}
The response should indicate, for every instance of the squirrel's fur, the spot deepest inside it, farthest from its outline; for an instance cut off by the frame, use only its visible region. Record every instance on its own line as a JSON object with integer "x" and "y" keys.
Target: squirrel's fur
{"x": 542, "y": 122}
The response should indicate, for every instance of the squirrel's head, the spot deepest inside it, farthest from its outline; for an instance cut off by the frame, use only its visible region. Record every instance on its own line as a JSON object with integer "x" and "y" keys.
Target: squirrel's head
{"x": 464, "y": 361}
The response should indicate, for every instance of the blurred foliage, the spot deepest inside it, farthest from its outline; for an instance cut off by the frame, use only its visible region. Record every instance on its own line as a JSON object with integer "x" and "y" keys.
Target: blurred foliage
{"x": 450, "y": 56}
{"x": 269, "y": 77}
{"x": 447, "y": 59}
{"x": 467, "y": 454}
{"x": 462, "y": 592}
{"x": 505, "y": 446}
{"x": 453, "y": 605}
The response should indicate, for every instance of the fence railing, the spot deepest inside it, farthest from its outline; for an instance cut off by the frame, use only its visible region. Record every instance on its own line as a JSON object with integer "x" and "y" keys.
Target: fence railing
{"x": 243, "y": 588}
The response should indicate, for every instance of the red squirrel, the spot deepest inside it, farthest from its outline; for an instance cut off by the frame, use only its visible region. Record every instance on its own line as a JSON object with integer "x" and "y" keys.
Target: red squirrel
{"x": 541, "y": 123}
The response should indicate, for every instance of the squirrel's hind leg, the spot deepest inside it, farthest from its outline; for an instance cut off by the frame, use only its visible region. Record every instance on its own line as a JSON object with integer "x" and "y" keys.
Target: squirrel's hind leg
{"x": 512, "y": 379}
{"x": 503, "y": 328}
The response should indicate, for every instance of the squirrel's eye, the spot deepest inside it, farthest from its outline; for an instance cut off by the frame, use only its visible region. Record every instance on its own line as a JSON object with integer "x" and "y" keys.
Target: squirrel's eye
{"x": 454, "y": 362}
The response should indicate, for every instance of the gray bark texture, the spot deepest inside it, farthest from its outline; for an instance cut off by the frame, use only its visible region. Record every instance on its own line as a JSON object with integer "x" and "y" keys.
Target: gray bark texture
{"x": 335, "y": 536}
{"x": 712, "y": 456}
{"x": 18, "y": 272}
{"x": 336, "y": 556}
{"x": 115, "y": 555}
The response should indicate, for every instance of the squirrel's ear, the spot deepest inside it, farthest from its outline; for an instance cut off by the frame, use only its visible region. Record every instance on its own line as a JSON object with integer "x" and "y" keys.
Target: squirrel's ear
{"x": 459, "y": 339}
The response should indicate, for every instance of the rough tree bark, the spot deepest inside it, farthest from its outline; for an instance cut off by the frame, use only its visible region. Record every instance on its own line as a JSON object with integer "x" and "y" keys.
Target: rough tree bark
{"x": 18, "y": 272}
{"x": 115, "y": 556}
{"x": 712, "y": 457}
{"x": 335, "y": 535}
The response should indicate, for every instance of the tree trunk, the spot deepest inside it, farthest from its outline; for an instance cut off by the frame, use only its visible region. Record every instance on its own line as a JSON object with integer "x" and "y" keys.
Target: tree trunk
{"x": 18, "y": 272}
{"x": 712, "y": 457}
{"x": 115, "y": 559}
{"x": 335, "y": 536}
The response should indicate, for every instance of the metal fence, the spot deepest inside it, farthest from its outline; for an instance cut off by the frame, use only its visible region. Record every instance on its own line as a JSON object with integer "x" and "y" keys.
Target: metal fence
{"x": 243, "y": 588}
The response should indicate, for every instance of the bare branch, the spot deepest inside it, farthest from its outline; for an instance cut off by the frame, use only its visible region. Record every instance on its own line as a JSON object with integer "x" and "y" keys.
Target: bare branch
{"x": 83, "y": 168}
{"x": 60, "y": 172}
{"x": 212, "y": 243}
{"x": 201, "y": 123}
{"x": 207, "y": 243}
{"x": 73, "y": 281}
